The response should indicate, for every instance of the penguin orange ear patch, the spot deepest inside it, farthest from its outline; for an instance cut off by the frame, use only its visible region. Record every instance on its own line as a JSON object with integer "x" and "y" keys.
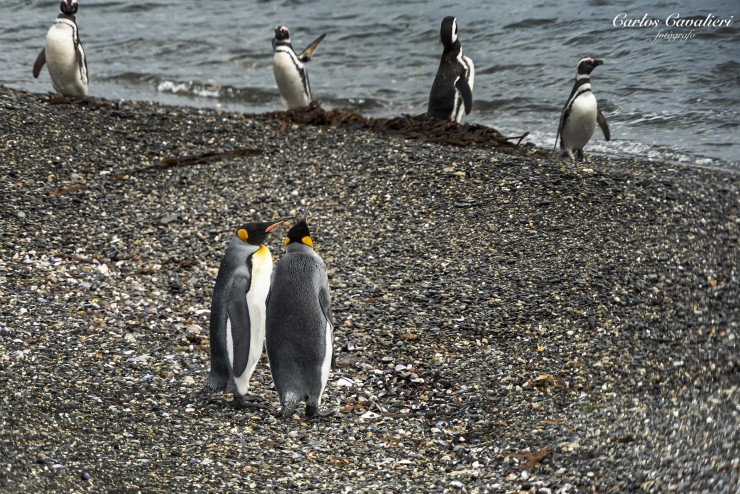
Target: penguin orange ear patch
{"x": 287, "y": 240}
{"x": 307, "y": 240}
{"x": 242, "y": 234}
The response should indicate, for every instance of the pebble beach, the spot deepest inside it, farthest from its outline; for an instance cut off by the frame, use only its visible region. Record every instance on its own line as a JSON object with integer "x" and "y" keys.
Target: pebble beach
{"x": 505, "y": 321}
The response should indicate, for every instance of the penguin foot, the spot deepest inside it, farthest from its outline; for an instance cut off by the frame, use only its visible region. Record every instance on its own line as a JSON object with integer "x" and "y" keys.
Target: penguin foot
{"x": 285, "y": 412}
{"x": 244, "y": 402}
{"x": 314, "y": 412}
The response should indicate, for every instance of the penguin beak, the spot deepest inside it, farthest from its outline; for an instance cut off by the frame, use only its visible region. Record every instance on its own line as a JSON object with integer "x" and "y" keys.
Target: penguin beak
{"x": 598, "y": 62}
{"x": 280, "y": 222}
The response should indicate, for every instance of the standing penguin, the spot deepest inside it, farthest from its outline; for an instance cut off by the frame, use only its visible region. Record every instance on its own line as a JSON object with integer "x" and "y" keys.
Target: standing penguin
{"x": 581, "y": 113}
{"x": 63, "y": 54}
{"x": 238, "y": 310}
{"x": 452, "y": 90}
{"x": 289, "y": 69}
{"x": 299, "y": 332}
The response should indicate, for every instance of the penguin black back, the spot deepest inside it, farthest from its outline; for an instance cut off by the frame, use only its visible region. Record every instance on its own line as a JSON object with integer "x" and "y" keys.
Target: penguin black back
{"x": 452, "y": 89}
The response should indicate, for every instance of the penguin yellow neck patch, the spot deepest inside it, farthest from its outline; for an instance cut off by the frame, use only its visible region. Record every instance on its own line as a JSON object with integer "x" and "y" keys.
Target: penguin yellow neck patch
{"x": 242, "y": 233}
{"x": 307, "y": 241}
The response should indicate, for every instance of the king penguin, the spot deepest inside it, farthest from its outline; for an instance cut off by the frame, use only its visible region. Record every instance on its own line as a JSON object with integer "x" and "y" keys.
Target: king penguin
{"x": 299, "y": 325}
{"x": 237, "y": 329}
{"x": 63, "y": 54}
{"x": 289, "y": 69}
{"x": 581, "y": 113}
{"x": 452, "y": 90}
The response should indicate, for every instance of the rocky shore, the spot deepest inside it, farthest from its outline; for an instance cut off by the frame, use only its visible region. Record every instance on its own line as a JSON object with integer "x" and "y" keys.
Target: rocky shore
{"x": 506, "y": 322}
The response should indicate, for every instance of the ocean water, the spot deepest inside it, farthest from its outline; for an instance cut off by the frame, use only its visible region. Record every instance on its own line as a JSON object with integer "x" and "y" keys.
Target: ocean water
{"x": 670, "y": 92}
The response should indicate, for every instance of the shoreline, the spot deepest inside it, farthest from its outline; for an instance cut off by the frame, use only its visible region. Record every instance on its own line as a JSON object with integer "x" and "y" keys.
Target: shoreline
{"x": 697, "y": 161}
{"x": 504, "y": 322}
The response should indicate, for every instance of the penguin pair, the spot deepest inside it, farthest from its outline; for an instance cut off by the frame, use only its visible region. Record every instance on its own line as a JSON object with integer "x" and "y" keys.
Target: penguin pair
{"x": 290, "y": 70}
{"x": 581, "y": 113}
{"x": 452, "y": 89}
{"x": 63, "y": 54}
{"x": 289, "y": 309}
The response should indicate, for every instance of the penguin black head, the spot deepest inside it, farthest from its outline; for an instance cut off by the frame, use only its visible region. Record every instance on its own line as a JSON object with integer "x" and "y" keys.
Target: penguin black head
{"x": 586, "y": 65}
{"x": 299, "y": 233}
{"x": 282, "y": 33}
{"x": 68, "y": 7}
{"x": 448, "y": 32}
{"x": 256, "y": 232}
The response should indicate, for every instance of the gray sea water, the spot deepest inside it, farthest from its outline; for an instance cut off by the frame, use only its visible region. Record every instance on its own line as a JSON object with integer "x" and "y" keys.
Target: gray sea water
{"x": 670, "y": 92}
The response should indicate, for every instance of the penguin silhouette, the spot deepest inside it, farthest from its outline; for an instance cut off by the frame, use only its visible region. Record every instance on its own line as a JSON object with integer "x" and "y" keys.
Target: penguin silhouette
{"x": 452, "y": 89}
{"x": 299, "y": 330}
{"x": 237, "y": 328}
{"x": 63, "y": 54}
{"x": 290, "y": 70}
{"x": 581, "y": 113}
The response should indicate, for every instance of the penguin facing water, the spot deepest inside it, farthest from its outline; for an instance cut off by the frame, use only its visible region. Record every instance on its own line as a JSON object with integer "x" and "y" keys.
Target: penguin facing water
{"x": 299, "y": 332}
{"x": 581, "y": 113}
{"x": 63, "y": 54}
{"x": 237, "y": 330}
{"x": 290, "y": 72}
{"x": 452, "y": 89}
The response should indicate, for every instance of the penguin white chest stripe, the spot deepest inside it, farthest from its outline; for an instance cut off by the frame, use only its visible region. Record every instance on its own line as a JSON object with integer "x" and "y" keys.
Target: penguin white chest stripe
{"x": 469, "y": 75}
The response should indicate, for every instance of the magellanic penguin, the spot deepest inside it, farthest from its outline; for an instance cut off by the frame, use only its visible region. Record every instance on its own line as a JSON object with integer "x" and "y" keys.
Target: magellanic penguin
{"x": 63, "y": 54}
{"x": 289, "y": 69}
{"x": 238, "y": 310}
{"x": 581, "y": 113}
{"x": 299, "y": 325}
{"x": 452, "y": 90}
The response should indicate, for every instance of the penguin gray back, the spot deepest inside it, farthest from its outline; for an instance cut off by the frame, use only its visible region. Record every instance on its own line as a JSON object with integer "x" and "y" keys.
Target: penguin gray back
{"x": 299, "y": 328}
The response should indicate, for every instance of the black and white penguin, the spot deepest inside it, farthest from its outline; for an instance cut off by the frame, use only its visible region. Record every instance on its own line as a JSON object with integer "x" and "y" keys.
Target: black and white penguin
{"x": 289, "y": 69}
{"x": 452, "y": 90}
{"x": 63, "y": 54}
{"x": 299, "y": 332}
{"x": 238, "y": 310}
{"x": 581, "y": 113}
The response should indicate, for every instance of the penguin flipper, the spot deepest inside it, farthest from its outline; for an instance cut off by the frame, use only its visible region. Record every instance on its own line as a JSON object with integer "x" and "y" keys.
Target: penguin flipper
{"x": 601, "y": 119}
{"x": 467, "y": 94}
{"x": 238, "y": 314}
{"x": 325, "y": 303}
{"x": 40, "y": 61}
{"x": 563, "y": 116}
{"x": 306, "y": 54}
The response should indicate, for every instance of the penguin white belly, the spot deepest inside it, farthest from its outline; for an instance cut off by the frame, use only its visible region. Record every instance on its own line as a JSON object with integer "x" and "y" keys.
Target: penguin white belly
{"x": 288, "y": 77}
{"x": 326, "y": 364}
{"x": 61, "y": 60}
{"x": 256, "y": 297}
{"x": 581, "y": 122}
